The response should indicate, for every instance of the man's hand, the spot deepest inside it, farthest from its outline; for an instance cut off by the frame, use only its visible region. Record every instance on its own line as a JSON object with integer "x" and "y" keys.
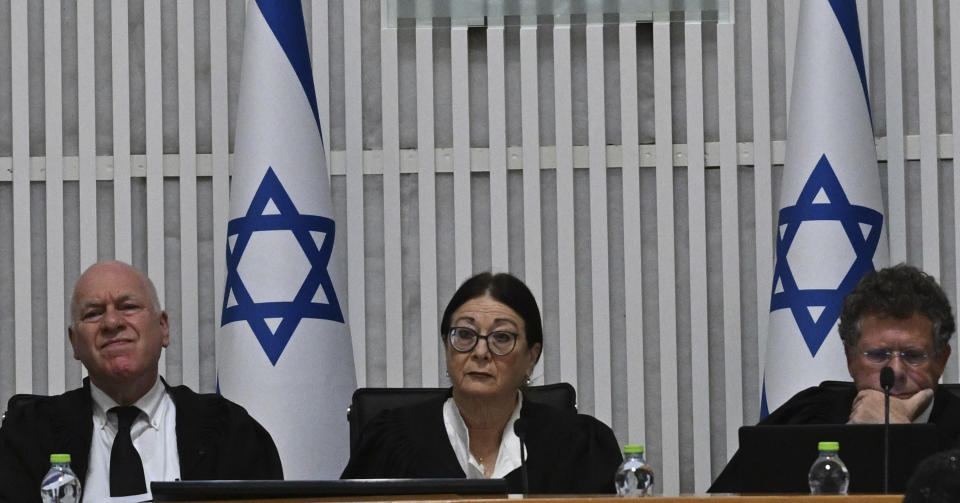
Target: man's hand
{"x": 868, "y": 407}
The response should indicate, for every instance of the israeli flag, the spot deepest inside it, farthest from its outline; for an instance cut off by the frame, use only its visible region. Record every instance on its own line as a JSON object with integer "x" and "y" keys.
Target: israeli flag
{"x": 831, "y": 226}
{"x": 283, "y": 349}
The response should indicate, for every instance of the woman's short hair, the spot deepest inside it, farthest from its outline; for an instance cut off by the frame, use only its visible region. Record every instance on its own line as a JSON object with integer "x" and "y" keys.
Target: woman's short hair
{"x": 504, "y": 288}
{"x": 898, "y": 292}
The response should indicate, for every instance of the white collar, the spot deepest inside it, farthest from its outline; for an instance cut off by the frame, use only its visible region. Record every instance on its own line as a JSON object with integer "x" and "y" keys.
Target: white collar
{"x": 508, "y": 458}
{"x": 924, "y": 416}
{"x": 149, "y": 404}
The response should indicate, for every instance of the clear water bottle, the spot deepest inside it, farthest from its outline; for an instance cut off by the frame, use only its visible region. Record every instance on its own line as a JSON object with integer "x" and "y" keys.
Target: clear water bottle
{"x": 828, "y": 474}
{"x": 634, "y": 477}
{"x": 60, "y": 484}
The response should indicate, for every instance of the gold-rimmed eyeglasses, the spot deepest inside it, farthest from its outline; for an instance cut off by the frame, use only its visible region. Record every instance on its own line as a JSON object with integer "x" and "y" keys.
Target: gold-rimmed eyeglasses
{"x": 912, "y": 357}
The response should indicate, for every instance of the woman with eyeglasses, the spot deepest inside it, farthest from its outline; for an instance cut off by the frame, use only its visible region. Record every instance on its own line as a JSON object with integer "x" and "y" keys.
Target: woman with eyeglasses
{"x": 493, "y": 337}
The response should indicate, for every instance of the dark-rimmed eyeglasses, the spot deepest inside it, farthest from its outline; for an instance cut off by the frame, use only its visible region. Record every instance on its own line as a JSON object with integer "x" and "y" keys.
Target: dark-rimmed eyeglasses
{"x": 912, "y": 357}
{"x": 463, "y": 340}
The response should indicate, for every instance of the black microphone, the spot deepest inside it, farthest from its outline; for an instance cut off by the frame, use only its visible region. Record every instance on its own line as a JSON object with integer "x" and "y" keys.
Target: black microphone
{"x": 519, "y": 429}
{"x": 886, "y": 382}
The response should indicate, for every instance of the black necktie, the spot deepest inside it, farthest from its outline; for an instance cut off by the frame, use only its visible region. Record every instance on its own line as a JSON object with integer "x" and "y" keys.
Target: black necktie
{"x": 126, "y": 469}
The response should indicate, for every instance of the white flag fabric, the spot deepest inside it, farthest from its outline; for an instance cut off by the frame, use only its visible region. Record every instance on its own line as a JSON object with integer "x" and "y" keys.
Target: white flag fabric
{"x": 283, "y": 349}
{"x": 830, "y": 229}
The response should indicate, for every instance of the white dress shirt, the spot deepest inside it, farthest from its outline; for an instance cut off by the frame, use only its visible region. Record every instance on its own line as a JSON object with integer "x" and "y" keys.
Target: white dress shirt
{"x": 154, "y": 435}
{"x": 508, "y": 459}
{"x": 924, "y": 416}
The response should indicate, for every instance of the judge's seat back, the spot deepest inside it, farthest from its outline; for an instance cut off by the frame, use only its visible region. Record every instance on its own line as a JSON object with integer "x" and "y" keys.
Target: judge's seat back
{"x": 18, "y": 400}
{"x": 368, "y": 402}
{"x": 952, "y": 388}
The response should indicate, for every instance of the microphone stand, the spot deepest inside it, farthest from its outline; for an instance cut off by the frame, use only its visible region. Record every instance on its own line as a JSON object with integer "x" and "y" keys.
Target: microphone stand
{"x": 886, "y": 439}
{"x": 518, "y": 428}
{"x": 886, "y": 382}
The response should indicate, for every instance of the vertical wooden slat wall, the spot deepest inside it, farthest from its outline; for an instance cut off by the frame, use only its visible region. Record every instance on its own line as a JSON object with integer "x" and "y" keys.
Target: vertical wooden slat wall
{"x": 392, "y": 235}
{"x": 791, "y": 19}
{"x": 863, "y": 19}
{"x": 687, "y": 222}
{"x": 320, "y": 57}
{"x": 762, "y": 166}
{"x": 530, "y": 140}
{"x": 427, "y": 205}
{"x": 86, "y": 133}
{"x": 353, "y": 140}
{"x": 53, "y": 185}
{"x": 729, "y": 232}
{"x": 697, "y": 211}
{"x": 632, "y": 234}
{"x": 929, "y": 164}
{"x": 156, "y": 261}
{"x": 952, "y": 372}
{"x": 20, "y": 147}
{"x": 497, "y": 131}
{"x": 120, "y": 52}
{"x": 460, "y": 120}
{"x": 896, "y": 186}
{"x": 189, "y": 266}
{"x": 566, "y": 235}
{"x": 666, "y": 259}
{"x": 599, "y": 275}
{"x": 219, "y": 150}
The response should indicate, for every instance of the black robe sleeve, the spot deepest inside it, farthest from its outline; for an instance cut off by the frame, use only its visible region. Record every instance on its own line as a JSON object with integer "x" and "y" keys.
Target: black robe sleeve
{"x": 35, "y": 429}
{"x": 567, "y": 453}
{"x": 218, "y": 440}
{"x": 409, "y": 442}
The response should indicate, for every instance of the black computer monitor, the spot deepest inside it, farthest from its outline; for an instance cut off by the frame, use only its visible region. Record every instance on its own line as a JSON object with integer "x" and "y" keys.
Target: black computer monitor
{"x": 776, "y": 459}
{"x": 200, "y": 490}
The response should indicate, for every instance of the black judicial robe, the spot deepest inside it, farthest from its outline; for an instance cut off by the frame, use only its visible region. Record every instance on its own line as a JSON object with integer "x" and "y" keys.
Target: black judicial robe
{"x": 830, "y": 403}
{"x": 566, "y": 453}
{"x": 216, "y": 439}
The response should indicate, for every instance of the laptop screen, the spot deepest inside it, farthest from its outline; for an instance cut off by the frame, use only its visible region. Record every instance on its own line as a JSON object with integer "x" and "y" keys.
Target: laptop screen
{"x": 776, "y": 459}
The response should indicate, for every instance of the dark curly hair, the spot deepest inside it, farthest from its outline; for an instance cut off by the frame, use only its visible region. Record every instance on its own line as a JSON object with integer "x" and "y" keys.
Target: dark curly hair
{"x": 504, "y": 288}
{"x": 936, "y": 479}
{"x": 898, "y": 292}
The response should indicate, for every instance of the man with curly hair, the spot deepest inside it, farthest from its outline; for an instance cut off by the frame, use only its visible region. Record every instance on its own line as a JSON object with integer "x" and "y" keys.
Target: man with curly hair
{"x": 897, "y": 317}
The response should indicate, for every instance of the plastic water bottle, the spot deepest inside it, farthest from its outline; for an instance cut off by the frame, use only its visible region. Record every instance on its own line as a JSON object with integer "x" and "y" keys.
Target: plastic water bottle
{"x": 828, "y": 474}
{"x": 634, "y": 477}
{"x": 60, "y": 484}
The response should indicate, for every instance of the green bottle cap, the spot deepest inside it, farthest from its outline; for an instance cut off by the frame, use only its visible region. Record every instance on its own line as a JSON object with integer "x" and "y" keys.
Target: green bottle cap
{"x": 59, "y": 458}
{"x": 633, "y": 449}
{"x": 829, "y": 446}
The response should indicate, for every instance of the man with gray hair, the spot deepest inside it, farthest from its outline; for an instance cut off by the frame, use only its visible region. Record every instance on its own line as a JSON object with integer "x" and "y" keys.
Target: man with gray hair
{"x": 897, "y": 317}
{"x": 126, "y": 426}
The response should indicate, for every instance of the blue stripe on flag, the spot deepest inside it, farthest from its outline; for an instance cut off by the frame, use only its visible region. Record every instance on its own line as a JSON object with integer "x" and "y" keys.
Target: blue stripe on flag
{"x": 846, "y": 12}
{"x": 764, "y": 409}
{"x": 287, "y": 25}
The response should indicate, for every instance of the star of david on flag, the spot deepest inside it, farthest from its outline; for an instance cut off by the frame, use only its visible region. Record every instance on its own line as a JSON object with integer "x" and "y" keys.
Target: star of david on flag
{"x": 822, "y": 198}
{"x": 315, "y": 236}
{"x": 283, "y": 349}
{"x": 831, "y": 225}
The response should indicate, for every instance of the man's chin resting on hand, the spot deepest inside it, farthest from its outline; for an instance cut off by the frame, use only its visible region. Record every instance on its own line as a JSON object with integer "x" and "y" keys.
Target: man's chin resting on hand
{"x": 868, "y": 407}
